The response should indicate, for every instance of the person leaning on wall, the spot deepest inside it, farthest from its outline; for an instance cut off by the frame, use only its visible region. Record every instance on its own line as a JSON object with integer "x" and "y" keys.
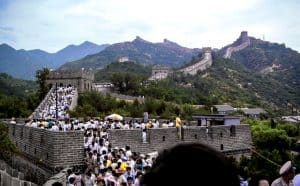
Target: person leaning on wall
{"x": 191, "y": 164}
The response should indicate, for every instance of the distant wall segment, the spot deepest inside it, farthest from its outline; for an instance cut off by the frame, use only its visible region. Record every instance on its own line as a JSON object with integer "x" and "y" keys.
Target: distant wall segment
{"x": 201, "y": 65}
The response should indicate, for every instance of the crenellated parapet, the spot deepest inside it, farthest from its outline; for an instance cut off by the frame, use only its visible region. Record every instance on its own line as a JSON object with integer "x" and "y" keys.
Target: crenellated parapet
{"x": 233, "y": 140}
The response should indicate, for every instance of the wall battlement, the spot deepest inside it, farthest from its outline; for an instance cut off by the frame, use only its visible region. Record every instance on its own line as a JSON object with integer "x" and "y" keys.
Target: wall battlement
{"x": 50, "y": 149}
{"x": 232, "y": 140}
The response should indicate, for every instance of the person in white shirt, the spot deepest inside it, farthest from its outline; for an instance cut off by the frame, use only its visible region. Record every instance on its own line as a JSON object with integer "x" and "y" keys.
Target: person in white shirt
{"x": 13, "y": 121}
{"x": 54, "y": 128}
{"x": 144, "y": 136}
{"x": 34, "y": 124}
{"x": 128, "y": 152}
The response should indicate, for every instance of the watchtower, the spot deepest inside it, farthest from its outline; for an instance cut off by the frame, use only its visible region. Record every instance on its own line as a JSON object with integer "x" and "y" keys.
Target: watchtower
{"x": 160, "y": 72}
{"x": 244, "y": 36}
{"x": 82, "y": 80}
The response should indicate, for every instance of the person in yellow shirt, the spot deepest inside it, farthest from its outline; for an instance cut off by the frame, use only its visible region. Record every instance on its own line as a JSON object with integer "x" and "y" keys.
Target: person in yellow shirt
{"x": 178, "y": 122}
{"x": 124, "y": 164}
{"x": 149, "y": 125}
{"x": 178, "y": 126}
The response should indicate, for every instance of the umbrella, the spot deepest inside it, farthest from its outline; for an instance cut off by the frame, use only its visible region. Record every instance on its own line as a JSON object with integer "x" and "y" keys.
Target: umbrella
{"x": 114, "y": 117}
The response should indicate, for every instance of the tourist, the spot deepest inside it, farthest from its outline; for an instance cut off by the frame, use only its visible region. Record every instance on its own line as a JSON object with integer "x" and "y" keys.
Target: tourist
{"x": 130, "y": 181}
{"x": 138, "y": 178}
{"x": 263, "y": 183}
{"x": 172, "y": 168}
{"x": 296, "y": 180}
{"x": 287, "y": 173}
{"x": 12, "y": 121}
{"x": 144, "y": 135}
{"x": 129, "y": 173}
{"x": 100, "y": 181}
{"x": 89, "y": 179}
{"x": 78, "y": 179}
{"x": 72, "y": 181}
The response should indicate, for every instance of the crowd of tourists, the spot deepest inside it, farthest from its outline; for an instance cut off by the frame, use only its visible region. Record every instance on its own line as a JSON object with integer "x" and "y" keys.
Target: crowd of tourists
{"x": 108, "y": 166}
{"x": 53, "y": 109}
{"x": 95, "y": 123}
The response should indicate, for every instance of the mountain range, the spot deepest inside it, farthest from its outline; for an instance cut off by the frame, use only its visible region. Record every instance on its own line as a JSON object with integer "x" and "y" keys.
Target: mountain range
{"x": 256, "y": 72}
{"x": 24, "y": 63}
{"x": 139, "y": 50}
{"x": 259, "y": 73}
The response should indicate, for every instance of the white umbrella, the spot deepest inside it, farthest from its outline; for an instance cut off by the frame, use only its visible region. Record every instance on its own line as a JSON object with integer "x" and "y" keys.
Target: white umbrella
{"x": 114, "y": 117}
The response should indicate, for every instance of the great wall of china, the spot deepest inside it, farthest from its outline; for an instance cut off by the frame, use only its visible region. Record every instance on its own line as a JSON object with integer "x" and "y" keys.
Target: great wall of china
{"x": 243, "y": 42}
{"x": 45, "y": 153}
{"x": 201, "y": 65}
{"x": 161, "y": 72}
{"x": 206, "y": 61}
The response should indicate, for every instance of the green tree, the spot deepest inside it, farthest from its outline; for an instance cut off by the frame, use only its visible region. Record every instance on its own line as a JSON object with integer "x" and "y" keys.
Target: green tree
{"x": 126, "y": 82}
{"x": 273, "y": 144}
{"x": 11, "y": 106}
{"x": 7, "y": 147}
{"x": 41, "y": 76}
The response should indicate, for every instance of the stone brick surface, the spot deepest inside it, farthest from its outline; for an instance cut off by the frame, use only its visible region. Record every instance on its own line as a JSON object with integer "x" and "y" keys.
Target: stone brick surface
{"x": 7, "y": 179}
{"x": 48, "y": 148}
{"x": 232, "y": 140}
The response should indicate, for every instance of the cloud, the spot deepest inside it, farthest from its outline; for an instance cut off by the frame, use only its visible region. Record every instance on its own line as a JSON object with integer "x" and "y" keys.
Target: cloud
{"x": 6, "y": 29}
{"x": 52, "y": 25}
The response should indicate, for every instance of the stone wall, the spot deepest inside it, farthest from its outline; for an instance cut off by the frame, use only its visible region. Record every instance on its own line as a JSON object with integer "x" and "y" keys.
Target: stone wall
{"x": 232, "y": 140}
{"x": 201, "y": 65}
{"x": 50, "y": 149}
{"x": 156, "y": 139}
{"x": 61, "y": 177}
{"x": 47, "y": 152}
{"x": 82, "y": 80}
{"x": 242, "y": 42}
{"x": 31, "y": 172}
{"x": 10, "y": 176}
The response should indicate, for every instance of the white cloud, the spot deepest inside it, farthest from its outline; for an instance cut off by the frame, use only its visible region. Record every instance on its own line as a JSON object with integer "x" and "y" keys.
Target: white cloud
{"x": 53, "y": 24}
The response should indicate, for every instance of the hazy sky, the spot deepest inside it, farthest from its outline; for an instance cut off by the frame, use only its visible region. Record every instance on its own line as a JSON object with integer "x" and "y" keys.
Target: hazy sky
{"x": 53, "y": 24}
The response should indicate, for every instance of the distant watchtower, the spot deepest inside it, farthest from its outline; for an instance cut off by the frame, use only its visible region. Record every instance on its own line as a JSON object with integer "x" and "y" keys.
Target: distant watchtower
{"x": 244, "y": 36}
{"x": 82, "y": 80}
{"x": 160, "y": 72}
{"x": 206, "y": 51}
